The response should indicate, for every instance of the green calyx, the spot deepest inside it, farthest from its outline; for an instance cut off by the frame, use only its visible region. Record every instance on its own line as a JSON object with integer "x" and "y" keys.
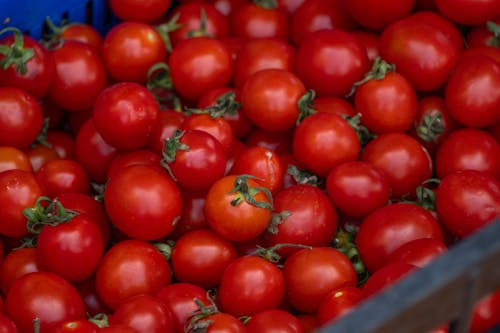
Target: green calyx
{"x": 244, "y": 193}
{"x": 224, "y": 104}
{"x": 379, "y": 70}
{"x": 197, "y": 322}
{"x": 495, "y": 30}
{"x": 267, "y": 4}
{"x": 303, "y": 176}
{"x": 344, "y": 242}
{"x": 46, "y": 212}
{"x": 271, "y": 254}
{"x": 306, "y": 105}
{"x": 431, "y": 127}
{"x": 171, "y": 146}
{"x": 15, "y": 55}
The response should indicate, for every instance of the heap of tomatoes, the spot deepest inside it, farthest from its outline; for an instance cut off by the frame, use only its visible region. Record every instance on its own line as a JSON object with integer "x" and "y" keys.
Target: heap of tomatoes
{"x": 242, "y": 166}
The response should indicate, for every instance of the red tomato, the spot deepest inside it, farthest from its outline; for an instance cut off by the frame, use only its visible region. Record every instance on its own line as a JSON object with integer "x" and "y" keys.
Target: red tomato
{"x": 39, "y": 155}
{"x": 13, "y": 158}
{"x": 485, "y": 315}
{"x": 418, "y": 252}
{"x": 129, "y": 268}
{"x": 21, "y": 118}
{"x": 93, "y": 304}
{"x": 272, "y": 321}
{"x": 314, "y": 65}
{"x": 327, "y": 267}
{"x": 218, "y": 127}
{"x": 467, "y": 200}
{"x": 7, "y": 325}
{"x": 142, "y": 202}
{"x": 168, "y": 121}
{"x": 200, "y": 257}
{"x": 198, "y": 65}
{"x": 62, "y": 142}
{"x": 45, "y": 296}
{"x": 134, "y": 157}
{"x": 338, "y": 303}
{"x": 378, "y": 15}
{"x": 471, "y": 93}
{"x": 252, "y": 20}
{"x": 192, "y": 216}
{"x": 371, "y": 41}
{"x": 337, "y": 105}
{"x": 390, "y": 227}
{"x": 483, "y": 35}
{"x": 238, "y": 208}
{"x": 76, "y": 326}
{"x": 18, "y": 190}
{"x": 403, "y": 160}
{"x": 280, "y": 142}
{"x": 79, "y": 76}
{"x": 144, "y": 313}
{"x": 124, "y": 114}
{"x": 357, "y": 188}
{"x": 324, "y": 140}
{"x": 386, "y": 277}
{"x": 139, "y": 43}
{"x": 17, "y": 263}
{"x": 142, "y": 11}
{"x": 469, "y": 12}
{"x": 250, "y": 284}
{"x": 83, "y": 33}
{"x": 63, "y": 176}
{"x": 34, "y": 75}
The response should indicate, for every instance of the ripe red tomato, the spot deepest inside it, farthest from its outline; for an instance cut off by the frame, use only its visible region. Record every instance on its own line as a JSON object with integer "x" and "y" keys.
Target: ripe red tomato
{"x": 462, "y": 215}
{"x": 79, "y": 76}
{"x": 250, "y": 284}
{"x": 17, "y": 263}
{"x": 217, "y": 322}
{"x": 142, "y": 11}
{"x": 63, "y": 176}
{"x": 377, "y": 15}
{"x": 218, "y": 127}
{"x": 83, "y": 33}
{"x": 485, "y": 315}
{"x": 142, "y": 202}
{"x": 129, "y": 268}
{"x": 13, "y": 158}
{"x": 7, "y": 325}
{"x": 386, "y": 276}
{"x": 139, "y": 43}
{"x": 390, "y": 227}
{"x": 168, "y": 121}
{"x": 39, "y": 155}
{"x": 45, "y": 296}
{"x": 253, "y": 20}
{"x": 124, "y": 114}
{"x": 21, "y": 118}
{"x": 338, "y": 303}
{"x": 316, "y": 68}
{"x": 192, "y": 216}
{"x": 329, "y": 268}
{"x": 274, "y": 320}
{"x": 134, "y": 157}
{"x": 469, "y": 12}
{"x": 76, "y": 326}
{"x": 418, "y": 252}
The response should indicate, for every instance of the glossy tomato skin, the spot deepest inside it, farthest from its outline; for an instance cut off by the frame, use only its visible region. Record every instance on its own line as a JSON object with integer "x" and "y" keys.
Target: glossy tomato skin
{"x": 63, "y": 176}
{"x": 468, "y": 149}
{"x": 16, "y": 264}
{"x": 18, "y": 190}
{"x": 134, "y": 157}
{"x": 198, "y": 65}
{"x": 76, "y": 326}
{"x": 469, "y": 12}
{"x": 251, "y": 284}
{"x": 124, "y": 114}
{"x": 129, "y": 268}
{"x": 323, "y": 140}
{"x": 137, "y": 42}
{"x": 376, "y": 15}
{"x": 485, "y": 315}
{"x": 14, "y": 158}
{"x": 357, "y": 188}
{"x": 316, "y": 68}
{"x": 46, "y": 296}
{"x": 269, "y": 99}
{"x": 21, "y": 117}
{"x": 418, "y": 252}
{"x": 79, "y": 76}
{"x": 407, "y": 44}
{"x": 7, "y": 325}
{"x": 142, "y": 11}
{"x": 338, "y": 303}
{"x": 168, "y": 121}
{"x": 274, "y": 320}
{"x": 217, "y": 127}
{"x": 84, "y": 33}
{"x": 471, "y": 95}
{"x": 142, "y": 202}
{"x": 39, "y": 69}
{"x": 403, "y": 160}
{"x": 220, "y": 322}
{"x": 461, "y": 215}
{"x": 309, "y": 218}
{"x": 328, "y": 267}
{"x": 192, "y": 216}
{"x": 250, "y": 20}
{"x": 386, "y": 276}
{"x": 390, "y": 227}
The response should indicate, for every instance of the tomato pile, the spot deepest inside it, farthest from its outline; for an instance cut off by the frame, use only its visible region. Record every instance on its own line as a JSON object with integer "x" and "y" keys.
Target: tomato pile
{"x": 242, "y": 166}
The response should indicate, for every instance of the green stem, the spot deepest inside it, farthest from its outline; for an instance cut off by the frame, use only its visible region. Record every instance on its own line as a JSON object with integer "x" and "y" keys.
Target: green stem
{"x": 246, "y": 193}
{"x": 46, "y": 212}
{"x": 15, "y": 55}
{"x": 378, "y": 71}
{"x": 224, "y": 104}
{"x": 267, "y": 4}
{"x": 306, "y": 105}
{"x": 495, "y": 30}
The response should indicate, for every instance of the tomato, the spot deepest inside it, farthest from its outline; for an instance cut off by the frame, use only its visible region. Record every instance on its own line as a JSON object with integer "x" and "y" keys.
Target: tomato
{"x": 262, "y": 53}
{"x": 467, "y": 200}
{"x": 468, "y": 149}
{"x": 289, "y": 6}
{"x": 485, "y": 315}
{"x": 62, "y": 142}
{"x": 250, "y": 284}
{"x": 274, "y": 320}
{"x": 180, "y": 299}
{"x": 270, "y": 99}
{"x": 142, "y": 11}
{"x": 18, "y": 190}
{"x": 418, "y": 252}
{"x": 469, "y": 12}
{"x": 45, "y": 296}
{"x": 314, "y": 15}
{"x": 145, "y": 313}
{"x": 14, "y": 158}
{"x": 124, "y": 114}
{"x": 377, "y": 16}
{"x": 386, "y": 104}
{"x": 79, "y": 76}
{"x": 200, "y": 257}
{"x": 238, "y": 208}
{"x": 252, "y": 20}
{"x": 34, "y": 75}
{"x": 129, "y": 268}
{"x": 371, "y": 42}
{"x": 323, "y": 140}
{"x": 390, "y": 227}
{"x": 471, "y": 95}
{"x": 327, "y": 267}
{"x": 309, "y": 322}
{"x": 422, "y": 48}
{"x": 17, "y": 263}
{"x": 483, "y": 35}
{"x": 357, "y": 188}
{"x": 21, "y": 118}
{"x": 134, "y": 157}
{"x": 192, "y": 216}
{"x": 76, "y": 326}
{"x": 337, "y": 105}
{"x": 386, "y": 277}
{"x": 91, "y": 300}
{"x": 218, "y": 322}
{"x": 280, "y": 142}
{"x": 142, "y": 202}
{"x": 168, "y": 121}
{"x": 303, "y": 215}
{"x": 218, "y": 127}
{"x": 314, "y": 65}
{"x": 39, "y": 155}
{"x": 338, "y": 303}
{"x": 403, "y": 160}
{"x": 83, "y": 33}
{"x": 7, "y": 325}
{"x": 137, "y": 42}
{"x": 63, "y": 176}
